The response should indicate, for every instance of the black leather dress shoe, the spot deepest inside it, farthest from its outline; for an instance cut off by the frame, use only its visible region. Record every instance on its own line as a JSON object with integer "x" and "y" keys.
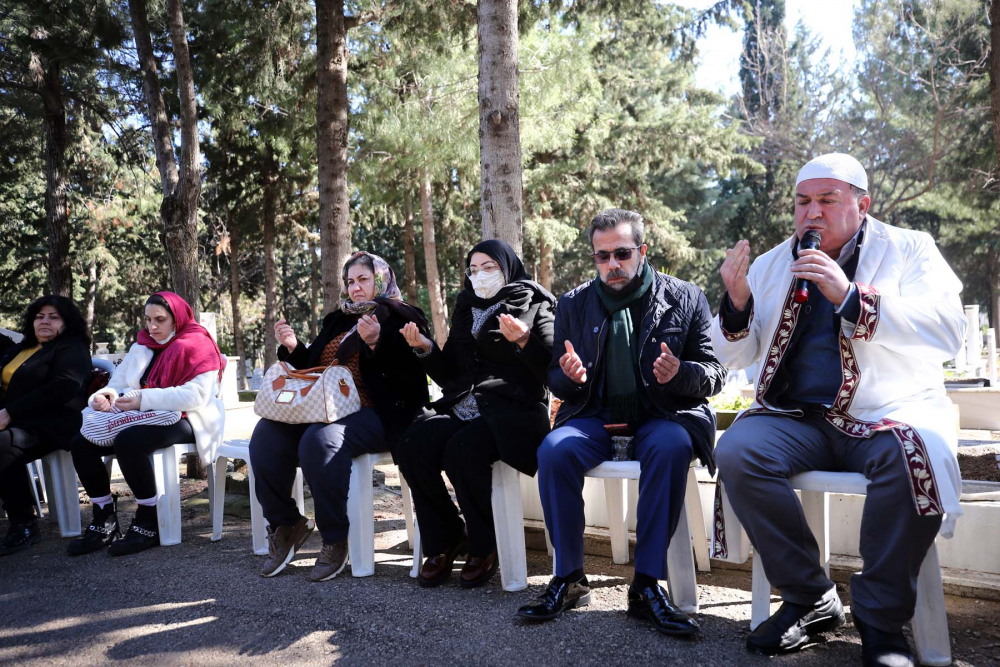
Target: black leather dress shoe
{"x": 883, "y": 649}
{"x": 790, "y": 628}
{"x": 557, "y": 598}
{"x": 653, "y": 605}
{"x": 437, "y": 569}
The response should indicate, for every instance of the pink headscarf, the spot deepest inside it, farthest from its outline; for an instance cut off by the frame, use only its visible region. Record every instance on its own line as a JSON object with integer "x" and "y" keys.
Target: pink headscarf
{"x": 188, "y": 354}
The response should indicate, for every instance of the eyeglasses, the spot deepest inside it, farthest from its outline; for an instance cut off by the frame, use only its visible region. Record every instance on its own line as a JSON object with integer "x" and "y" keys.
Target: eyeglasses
{"x": 488, "y": 267}
{"x": 621, "y": 254}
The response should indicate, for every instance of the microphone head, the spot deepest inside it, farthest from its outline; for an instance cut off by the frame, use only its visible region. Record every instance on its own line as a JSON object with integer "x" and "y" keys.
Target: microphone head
{"x": 811, "y": 240}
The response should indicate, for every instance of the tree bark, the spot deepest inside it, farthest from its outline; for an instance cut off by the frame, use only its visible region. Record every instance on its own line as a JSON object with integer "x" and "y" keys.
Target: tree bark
{"x": 91, "y": 296}
{"x": 499, "y": 122}
{"x": 234, "y": 297}
{"x": 56, "y": 206}
{"x": 314, "y": 290}
{"x": 181, "y": 185}
{"x": 438, "y": 316}
{"x": 994, "y": 65}
{"x": 270, "y": 275}
{"x": 408, "y": 252}
{"x": 331, "y": 150}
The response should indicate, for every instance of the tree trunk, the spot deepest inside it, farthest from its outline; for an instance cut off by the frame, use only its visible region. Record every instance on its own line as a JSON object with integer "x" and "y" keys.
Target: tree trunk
{"x": 234, "y": 296}
{"x": 994, "y": 65}
{"x": 438, "y": 316}
{"x": 270, "y": 277}
{"x": 545, "y": 264}
{"x": 331, "y": 150}
{"x": 408, "y": 253}
{"x": 499, "y": 122}
{"x": 314, "y": 290}
{"x": 56, "y": 206}
{"x": 91, "y": 296}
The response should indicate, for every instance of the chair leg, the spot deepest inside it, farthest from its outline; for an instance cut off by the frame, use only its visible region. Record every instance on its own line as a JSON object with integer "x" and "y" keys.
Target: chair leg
{"x": 168, "y": 490}
{"x": 930, "y": 620}
{"x": 760, "y": 594}
{"x": 361, "y": 515}
{"x": 258, "y": 524}
{"x": 298, "y": 492}
{"x": 418, "y": 553}
{"x": 404, "y": 490}
{"x": 34, "y": 488}
{"x": 681, "y": 576}
{"x": 696, "y": 522}
{"x": 63, "y": 492}
{"x": 508, "y": 518}
{"x": 109, "y": 464}
{"x": 217, "y": 496}
{"x": 816, "y": 507}
{"x": 614, "y": 493}
{"x": 41, "y": 481}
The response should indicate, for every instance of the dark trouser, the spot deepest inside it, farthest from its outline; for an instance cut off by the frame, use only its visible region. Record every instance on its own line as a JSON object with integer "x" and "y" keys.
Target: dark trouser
{"x": 18, "y": 448}
{"x": 324, "y": 452}
{"x": 466, "y": 451}
{"x": 132, "y": 448}
{"x": 758, "y": 454}
{"x": 664, "y": 451}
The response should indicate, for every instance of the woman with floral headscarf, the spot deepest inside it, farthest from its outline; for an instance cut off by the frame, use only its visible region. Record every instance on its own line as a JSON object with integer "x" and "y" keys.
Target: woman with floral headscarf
{"x": 363, "y": 335}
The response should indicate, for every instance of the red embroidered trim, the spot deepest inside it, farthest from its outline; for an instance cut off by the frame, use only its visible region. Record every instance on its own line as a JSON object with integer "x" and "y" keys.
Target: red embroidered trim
{"x": 850, "y": 373}
{"x": 868, "y": 319}
{"x": 719, "y": 547}
{"x": 779, "y": 342}
{"x": 739, "y": 335}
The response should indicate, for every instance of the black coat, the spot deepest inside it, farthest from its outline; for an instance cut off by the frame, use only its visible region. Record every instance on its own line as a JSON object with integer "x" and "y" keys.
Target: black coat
{"x": 391, "y": 375}
{"x": 507, "y": 381}
{"x": 48, "y": 391}
{"x": 674, "y": 312}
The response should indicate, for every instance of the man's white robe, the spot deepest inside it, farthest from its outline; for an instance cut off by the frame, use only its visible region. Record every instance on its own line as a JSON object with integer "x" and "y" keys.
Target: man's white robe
{"x": 911, "y": 322}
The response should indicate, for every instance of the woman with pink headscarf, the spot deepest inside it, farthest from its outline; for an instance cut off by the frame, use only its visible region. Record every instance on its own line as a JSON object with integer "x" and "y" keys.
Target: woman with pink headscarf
{"x": 174, "y": 366}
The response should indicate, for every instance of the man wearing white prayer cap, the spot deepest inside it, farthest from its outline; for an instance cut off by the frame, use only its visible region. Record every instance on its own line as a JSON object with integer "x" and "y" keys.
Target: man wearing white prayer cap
{"x": 848, "y": 335}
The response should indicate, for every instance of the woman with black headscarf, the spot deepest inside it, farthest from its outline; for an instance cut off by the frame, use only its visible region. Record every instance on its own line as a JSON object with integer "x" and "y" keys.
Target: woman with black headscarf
{"x": 492, "y": 370}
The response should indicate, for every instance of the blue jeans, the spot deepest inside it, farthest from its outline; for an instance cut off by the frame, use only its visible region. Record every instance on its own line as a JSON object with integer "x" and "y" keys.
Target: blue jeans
{"x": 664, "y": 451}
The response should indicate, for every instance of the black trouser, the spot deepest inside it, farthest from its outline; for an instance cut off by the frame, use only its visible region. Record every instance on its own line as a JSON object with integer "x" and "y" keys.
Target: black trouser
{"x": 132, "y": 448}
{"x": 18, "y": 448}
{"x": 466, "y": 451}
{"x": 324, "y": 452}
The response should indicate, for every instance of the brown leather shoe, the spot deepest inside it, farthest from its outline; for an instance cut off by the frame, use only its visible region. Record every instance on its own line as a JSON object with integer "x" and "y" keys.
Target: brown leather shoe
{"x": 436, "y": 569}
{"x": 478, "y": 570}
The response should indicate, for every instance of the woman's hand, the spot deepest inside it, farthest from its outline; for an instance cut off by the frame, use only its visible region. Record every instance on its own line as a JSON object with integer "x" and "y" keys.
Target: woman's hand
{"x": 369, "y": 329}
{"x": 411, "y": 332}
{"x": 129, "y": 402}
{"x": 285, "y": 335}
{"x": 102, "y": 403}
{"x": 4, "y": 419}
{"x": 514, "y": 330}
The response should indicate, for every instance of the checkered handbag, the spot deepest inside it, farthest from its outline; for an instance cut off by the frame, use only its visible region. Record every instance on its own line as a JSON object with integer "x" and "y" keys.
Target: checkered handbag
{"x": 319, "y": 395}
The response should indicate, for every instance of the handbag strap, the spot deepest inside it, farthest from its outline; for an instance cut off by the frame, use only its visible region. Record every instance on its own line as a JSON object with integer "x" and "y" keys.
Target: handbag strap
{"x": 308, "y": 374}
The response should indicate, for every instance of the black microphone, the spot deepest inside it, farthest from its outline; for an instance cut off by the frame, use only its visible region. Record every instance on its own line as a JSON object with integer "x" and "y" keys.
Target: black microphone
{"x": 810, "y": 241}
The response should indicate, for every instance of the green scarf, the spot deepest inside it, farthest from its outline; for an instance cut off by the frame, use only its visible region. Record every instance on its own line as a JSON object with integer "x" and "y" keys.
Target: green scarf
{"x": 622, "y": 367}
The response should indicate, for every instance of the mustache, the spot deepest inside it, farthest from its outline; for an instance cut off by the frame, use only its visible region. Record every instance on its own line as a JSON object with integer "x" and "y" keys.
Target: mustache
{"x": 616, "y": 273}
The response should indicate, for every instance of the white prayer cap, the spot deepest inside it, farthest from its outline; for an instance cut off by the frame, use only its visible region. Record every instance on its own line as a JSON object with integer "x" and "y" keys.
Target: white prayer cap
{"x": 839, "y": 166}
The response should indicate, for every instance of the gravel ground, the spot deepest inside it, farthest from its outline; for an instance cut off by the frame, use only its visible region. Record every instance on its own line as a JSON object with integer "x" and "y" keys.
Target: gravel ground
{"x": 203, "y": 603}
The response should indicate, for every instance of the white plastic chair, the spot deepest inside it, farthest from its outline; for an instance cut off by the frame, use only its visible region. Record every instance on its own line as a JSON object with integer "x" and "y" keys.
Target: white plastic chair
{"x": 930, "y": 620}
{"x": 508, "y": 521}
{"x": 36, "y": 476}
{"x": 62, "y": 491}
{"x": 681, "y": 578}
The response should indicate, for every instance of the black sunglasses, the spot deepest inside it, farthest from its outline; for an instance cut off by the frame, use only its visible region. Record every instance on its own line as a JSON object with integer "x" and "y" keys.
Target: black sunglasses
{"x": 621, "y": 254}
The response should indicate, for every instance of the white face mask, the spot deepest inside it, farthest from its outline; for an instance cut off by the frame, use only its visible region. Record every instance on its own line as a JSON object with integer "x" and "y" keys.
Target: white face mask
{"x": 487, "y": 284}
{"x": 167, "y": 339}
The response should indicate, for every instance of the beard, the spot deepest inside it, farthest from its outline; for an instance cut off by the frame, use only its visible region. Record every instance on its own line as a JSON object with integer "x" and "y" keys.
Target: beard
{"x": 620, "y": 273}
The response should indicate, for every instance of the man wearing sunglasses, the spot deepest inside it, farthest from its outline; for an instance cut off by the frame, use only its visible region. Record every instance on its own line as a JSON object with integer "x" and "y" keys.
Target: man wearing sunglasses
{"x": 632, "y": 348}
{"x": 849, "y": 380}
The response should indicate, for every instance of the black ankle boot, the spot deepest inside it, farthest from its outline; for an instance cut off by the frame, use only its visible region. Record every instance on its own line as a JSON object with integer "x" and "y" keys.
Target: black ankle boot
{"x": 21, "y": 534}
{"x": 102, "y": 531}
{"x": 142, "y": 534}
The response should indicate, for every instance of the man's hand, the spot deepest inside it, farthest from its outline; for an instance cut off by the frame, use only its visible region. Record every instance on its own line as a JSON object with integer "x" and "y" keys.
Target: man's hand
{"x": 572, "y": 366}
{"x": 4, "y": 419}
{"x": 411, "y": 332}
{"x": 734, "y": 274}
{"x": 369, "y": 329}
{"x": 514, "y": 330}
{"x": 102, "y": 403}
{"x": 128, "y": 402}
{"x": 666, "y": 365}
{"x": 817, "y": 267}
{"x": 285, "y": 335}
